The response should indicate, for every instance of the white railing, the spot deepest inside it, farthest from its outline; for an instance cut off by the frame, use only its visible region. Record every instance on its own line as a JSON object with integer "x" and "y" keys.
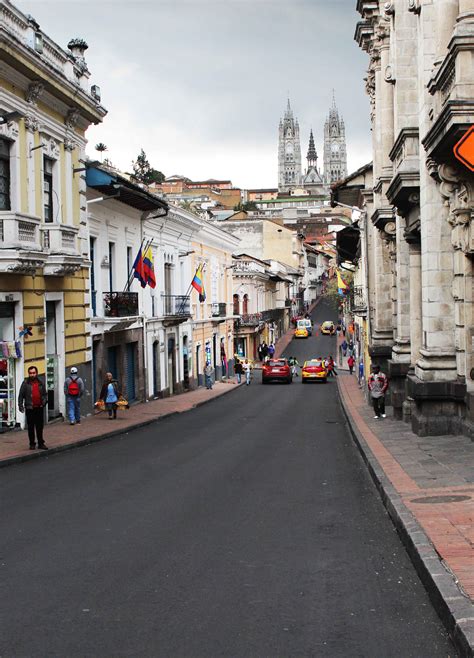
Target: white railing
{"x": 19, "y": 231}
{"x": 59, "y": 238}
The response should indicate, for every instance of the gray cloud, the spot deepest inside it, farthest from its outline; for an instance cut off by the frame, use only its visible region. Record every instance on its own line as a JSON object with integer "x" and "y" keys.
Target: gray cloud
{"x": 201, "y": 84}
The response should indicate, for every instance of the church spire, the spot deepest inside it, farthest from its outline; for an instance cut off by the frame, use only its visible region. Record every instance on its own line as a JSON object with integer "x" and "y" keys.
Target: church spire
{"x": 312, "y": 156}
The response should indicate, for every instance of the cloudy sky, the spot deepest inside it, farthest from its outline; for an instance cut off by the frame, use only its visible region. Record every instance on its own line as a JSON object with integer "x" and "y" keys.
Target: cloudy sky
{"x": 201, "y": 84}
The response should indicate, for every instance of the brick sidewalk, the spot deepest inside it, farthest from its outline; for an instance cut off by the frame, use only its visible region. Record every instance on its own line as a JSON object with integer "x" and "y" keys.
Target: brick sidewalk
{"x": 62, "y": 436}
{"x": 427, "y": 484}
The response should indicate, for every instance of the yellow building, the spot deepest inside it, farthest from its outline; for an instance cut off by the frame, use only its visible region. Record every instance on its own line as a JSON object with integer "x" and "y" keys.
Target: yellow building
{"x": 46, "y": 105}
{"x": 213, "y": 319}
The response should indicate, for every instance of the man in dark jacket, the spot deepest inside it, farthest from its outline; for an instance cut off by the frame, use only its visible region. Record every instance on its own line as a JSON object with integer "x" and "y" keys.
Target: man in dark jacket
{"x": 32, "y": 398}
{"x": 378, "y": 384}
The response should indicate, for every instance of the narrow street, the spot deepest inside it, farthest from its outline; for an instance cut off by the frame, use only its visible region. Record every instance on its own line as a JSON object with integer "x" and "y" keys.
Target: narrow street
{"x": 247, "y": 527}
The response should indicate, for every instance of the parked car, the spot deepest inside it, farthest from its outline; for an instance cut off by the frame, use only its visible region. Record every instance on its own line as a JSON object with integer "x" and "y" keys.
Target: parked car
{"x": 314, "y": 370}
{"x": 328, "y": 328}
{"x": 276, "y": 370}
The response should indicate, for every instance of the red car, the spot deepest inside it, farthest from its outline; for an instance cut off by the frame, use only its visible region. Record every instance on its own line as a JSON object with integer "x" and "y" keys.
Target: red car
{"x": 276, "y": 370}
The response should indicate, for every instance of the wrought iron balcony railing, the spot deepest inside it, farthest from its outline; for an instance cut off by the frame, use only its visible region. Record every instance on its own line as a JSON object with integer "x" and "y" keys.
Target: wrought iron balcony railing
{"x": 358, "y": 301}
{"x": 176, "y": 306}
{"x": 250, "y": 319}
{"x": 120, "y": 304}
{"x": 218, "y": 310}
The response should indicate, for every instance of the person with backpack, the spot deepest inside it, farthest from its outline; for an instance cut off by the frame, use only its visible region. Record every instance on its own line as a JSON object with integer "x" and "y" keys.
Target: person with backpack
{"x": 294, "y": 365}
{"x": 344, "y": 347}
{"x": 350, "y": 363}
{"x": 330, "y": 367}
{"x": 73, "y": 390}
{"x": 238, "y": 370}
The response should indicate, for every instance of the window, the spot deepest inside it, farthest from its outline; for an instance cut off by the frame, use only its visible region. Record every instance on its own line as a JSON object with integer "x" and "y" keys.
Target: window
{"x": 129, "y": 266}
{"x": 245, "y": 305}
{"x": 236, "y": 305}
{"x": 48, "y": 189}
{"x": 4, "y": 175}
{"x": 168, "y": 279}
{"x": 111, "y": 266}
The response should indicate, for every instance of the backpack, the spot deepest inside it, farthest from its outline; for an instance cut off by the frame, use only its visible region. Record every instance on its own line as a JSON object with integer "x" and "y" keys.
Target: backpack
{"x": 73, "y": 388}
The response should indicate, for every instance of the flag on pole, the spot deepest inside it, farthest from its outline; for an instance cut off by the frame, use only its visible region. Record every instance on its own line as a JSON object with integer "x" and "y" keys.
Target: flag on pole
{"x": 149, "y": 268}
{"x": 198, "y": 284}
{"x": 342, "y": 287}
{"x": 138, "y": 269}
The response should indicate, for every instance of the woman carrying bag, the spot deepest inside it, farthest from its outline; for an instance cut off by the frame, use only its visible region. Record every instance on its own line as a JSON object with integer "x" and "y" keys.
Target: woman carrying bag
{"x": 110, "y": 394}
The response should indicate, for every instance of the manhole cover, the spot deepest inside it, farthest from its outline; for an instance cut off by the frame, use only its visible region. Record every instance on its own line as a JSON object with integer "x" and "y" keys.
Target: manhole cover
{"x": 434, "y": 500}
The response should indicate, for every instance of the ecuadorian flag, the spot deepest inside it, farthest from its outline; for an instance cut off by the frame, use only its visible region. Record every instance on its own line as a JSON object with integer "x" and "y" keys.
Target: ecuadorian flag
{"x": 198, "y": 284}
{"x": 149, "y": 268}
{"x": 342, "y": 287}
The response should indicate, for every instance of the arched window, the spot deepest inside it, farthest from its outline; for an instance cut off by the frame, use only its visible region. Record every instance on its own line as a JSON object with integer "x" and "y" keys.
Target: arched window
{"x": 236, "y": 305}
{"x": 245, "y": 305}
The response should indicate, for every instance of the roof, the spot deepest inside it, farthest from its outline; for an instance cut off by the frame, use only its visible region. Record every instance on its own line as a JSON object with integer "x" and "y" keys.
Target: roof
{"x": 117, "y": 186}
{"x": 358, "y": 172}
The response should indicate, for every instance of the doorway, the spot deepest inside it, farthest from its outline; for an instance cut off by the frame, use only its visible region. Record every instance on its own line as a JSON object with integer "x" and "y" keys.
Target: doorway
{"x": 52, "y": 359}
{"x": 156, "y": 369}
{"x": 171, "y": 364}
{"x": 185, "y": 363}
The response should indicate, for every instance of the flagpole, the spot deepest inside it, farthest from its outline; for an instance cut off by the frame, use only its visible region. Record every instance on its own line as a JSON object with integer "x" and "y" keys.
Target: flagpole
{"x": 188, "y": 292}
{"x": 130, "y": 274}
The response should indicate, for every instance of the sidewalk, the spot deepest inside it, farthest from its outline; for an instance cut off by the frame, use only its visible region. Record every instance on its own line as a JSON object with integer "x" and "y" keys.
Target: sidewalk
{"x": 62, "y": 436}
{"x": 427, "y": 486}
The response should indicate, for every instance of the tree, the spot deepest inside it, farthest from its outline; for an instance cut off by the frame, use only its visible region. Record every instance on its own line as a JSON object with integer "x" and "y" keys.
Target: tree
{"x": 101, "y": 148}
{"x": 331, "y": 293}
{"x": 248, "y": 205}
{"x": 144, "y": 173}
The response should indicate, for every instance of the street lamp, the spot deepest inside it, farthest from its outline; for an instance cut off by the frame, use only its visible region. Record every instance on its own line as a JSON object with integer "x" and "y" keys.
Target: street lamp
{"x": 8, "y": 117}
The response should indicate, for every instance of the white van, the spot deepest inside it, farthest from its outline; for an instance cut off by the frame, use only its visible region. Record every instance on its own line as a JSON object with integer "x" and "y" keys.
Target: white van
{"x": 306, "y": 324}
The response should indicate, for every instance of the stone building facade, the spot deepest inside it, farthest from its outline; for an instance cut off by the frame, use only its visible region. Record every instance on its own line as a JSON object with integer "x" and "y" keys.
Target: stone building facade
{"x": 421, "y": 87}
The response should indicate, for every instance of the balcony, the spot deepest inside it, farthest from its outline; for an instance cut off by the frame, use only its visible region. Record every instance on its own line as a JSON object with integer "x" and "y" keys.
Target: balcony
{"x": 61, "y": 243}
{"x": 20, "y": 246}
{"x": 120, "y": 304}
{"x": 218, "y": 310}
{"x": 176, "y": 308}
{"x": 250, "y": 319}
{"x": 358, "y": 301}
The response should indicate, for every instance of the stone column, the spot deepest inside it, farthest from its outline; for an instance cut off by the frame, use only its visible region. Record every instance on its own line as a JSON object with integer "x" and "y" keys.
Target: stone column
{"x": 401, "y": 354}
{"x": 416, "y": 331}
{"x": 446, "y": 12}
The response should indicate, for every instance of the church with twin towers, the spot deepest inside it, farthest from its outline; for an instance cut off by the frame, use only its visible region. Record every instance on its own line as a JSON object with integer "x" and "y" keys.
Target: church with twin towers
{"x": 292, "y": 179}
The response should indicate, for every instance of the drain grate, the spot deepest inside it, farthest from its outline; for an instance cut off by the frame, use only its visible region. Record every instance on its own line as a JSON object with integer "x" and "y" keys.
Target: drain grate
{"x": 436, "y": 500}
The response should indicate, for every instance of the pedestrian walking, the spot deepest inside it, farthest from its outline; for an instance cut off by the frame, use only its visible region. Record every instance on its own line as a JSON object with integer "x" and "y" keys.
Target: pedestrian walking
{"x": 238, "y": 371}
{"x": 247, "y": 368}
{"x": 208, "y": 372}
{"x": 264, "y": 351}
{"x": 271, "y": 350}
{"x": 294, "y": 365}
{"x": 73, "y": 390}
{"x": 110, "y": 394}
{"x": 361, "y": 373}
{"x": 344, "y": 347}
{"x": 350, "y": 348}
{"x": 378, "y": 384}
{"x": 32, "y": 399}
{"x": 259, "y": 352}
{"x": 350, "y": 363}
{"x": 330, "y": 367}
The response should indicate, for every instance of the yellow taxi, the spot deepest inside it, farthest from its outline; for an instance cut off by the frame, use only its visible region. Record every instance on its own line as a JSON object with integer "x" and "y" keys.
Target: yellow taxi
{"x": 314, "y": 370}
{"x": 328, "y": 328}
{"x": 301, "y": 332}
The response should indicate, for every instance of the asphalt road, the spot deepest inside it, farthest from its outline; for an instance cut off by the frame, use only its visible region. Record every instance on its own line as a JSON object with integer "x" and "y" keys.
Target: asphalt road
{"x": 247, "y": 527}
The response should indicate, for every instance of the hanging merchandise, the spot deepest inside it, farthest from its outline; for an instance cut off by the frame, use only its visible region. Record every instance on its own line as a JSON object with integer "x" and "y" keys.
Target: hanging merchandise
{"x": 5, "y": 351}
{"x": 18, "y": 349}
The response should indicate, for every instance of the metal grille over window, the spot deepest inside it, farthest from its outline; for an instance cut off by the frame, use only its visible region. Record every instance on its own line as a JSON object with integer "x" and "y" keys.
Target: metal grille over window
{"x": 1, "y": 231}
{"x": 46, "y": 240}
{"x": 4, "y": 175}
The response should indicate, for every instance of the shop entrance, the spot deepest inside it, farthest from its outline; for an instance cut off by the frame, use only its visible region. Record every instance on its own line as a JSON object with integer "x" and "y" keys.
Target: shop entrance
{"x": 7, "y": 367}
{"x": 171, "y": 364}
{"x": 52, "y": 359}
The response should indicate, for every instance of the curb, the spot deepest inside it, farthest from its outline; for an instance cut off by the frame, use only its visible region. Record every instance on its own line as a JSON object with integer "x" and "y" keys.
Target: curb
{"x": 11, "y": 461}
{"x": 454, "y": 609}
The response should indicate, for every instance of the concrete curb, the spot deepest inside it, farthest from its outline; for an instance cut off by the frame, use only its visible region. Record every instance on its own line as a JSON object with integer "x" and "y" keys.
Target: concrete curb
{"x": 39, "y": 454}
{"x": 454, "y": 609}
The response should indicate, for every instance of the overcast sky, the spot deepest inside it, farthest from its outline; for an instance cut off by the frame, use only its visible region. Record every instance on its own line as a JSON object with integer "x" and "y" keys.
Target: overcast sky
{"x": 201, "y": 84}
